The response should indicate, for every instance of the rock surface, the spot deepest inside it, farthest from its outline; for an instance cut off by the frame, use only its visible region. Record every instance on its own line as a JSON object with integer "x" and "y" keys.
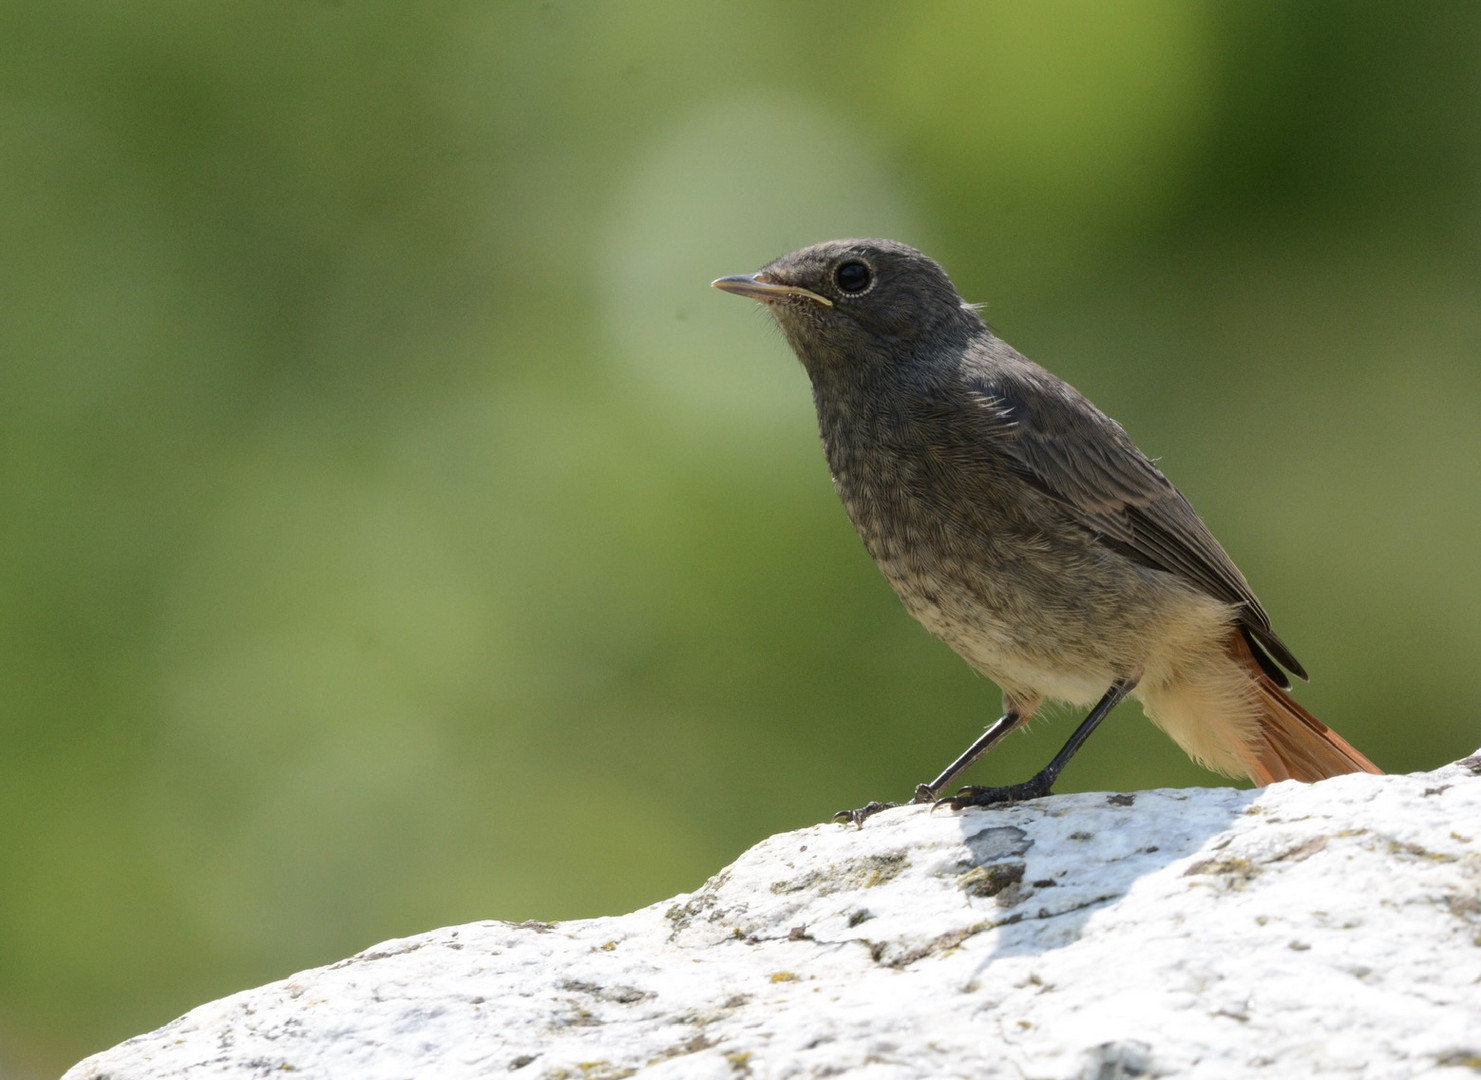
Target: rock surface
{"x": 1321, "y": 930}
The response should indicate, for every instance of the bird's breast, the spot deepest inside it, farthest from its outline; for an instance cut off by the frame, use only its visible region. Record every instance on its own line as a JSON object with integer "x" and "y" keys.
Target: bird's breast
{"x": 993, "y": 566}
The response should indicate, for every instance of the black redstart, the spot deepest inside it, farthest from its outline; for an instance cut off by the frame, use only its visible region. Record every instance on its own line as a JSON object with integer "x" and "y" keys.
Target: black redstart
{"x": 1023, "y": 527}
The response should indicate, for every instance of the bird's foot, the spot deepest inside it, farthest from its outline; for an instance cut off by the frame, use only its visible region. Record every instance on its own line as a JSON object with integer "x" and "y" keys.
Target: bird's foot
{"x": 859, "y": 816}
{"x": 1035, "y": 788}
{"x": 923, "y": 794}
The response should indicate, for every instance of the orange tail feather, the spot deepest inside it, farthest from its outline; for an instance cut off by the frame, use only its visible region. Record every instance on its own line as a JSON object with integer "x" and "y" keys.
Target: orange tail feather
{"x": 1291, "y": 744}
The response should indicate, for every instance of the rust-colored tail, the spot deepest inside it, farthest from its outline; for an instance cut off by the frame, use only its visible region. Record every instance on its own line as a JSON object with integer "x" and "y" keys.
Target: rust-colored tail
{"x": 1291, "y": 744}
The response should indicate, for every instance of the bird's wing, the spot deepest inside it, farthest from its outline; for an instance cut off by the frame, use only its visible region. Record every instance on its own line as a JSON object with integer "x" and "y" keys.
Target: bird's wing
{"x": 1071, "y": 450}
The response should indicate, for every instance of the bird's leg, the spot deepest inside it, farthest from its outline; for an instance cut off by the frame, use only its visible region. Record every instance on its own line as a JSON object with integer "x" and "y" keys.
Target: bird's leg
{"x": 1012, "y": 718}
{"x": 1038, "y": 786}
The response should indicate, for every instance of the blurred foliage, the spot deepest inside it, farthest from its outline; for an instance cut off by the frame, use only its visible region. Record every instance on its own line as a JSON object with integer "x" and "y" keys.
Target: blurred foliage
{"x": 398, "y": 532}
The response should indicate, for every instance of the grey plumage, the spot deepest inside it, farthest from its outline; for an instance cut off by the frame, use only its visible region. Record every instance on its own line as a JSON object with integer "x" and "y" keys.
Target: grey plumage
{"x": 1014, "y": 519}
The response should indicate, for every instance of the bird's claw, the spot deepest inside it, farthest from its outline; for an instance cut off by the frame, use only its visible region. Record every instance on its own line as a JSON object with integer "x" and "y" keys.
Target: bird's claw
{"x": 923, "y": 795}
{"x": 997, "y": 796}
{"x": 857, "y": 817}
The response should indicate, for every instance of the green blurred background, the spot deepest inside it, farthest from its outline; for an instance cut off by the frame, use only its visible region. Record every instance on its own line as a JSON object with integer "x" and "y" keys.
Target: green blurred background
{"x": 397, "y": 531}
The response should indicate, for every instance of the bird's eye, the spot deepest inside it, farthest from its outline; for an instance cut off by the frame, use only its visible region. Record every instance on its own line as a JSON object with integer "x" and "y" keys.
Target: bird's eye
{"x": 852, "y": 277}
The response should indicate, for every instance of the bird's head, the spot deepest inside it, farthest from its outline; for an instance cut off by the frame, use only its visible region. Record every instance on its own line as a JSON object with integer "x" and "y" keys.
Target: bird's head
{"x": 854, "y": 302}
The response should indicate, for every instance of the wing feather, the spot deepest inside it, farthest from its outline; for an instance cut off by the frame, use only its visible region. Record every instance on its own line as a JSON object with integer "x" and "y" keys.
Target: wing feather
{"x": 1068, "y": 448}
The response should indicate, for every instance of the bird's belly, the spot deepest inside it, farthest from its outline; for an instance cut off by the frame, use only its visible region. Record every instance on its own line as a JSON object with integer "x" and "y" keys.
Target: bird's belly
{"x": 1046, "y": 615}
{"x": 1024, "y": 594}
{"x": 1018, "y": 656}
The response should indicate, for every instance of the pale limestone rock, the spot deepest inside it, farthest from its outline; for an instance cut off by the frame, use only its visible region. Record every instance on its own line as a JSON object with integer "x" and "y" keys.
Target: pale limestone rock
{"x": 1300, "y": 930}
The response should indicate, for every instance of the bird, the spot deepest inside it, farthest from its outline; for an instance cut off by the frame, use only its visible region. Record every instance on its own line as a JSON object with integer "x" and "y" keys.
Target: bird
{"x": 1021, "y": 525}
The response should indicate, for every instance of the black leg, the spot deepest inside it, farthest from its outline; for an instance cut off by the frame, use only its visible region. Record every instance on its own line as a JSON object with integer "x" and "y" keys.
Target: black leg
{"x": 990, "y": 738}
{"x": 1038, "y": 786}
{"x": 929, "y": 793}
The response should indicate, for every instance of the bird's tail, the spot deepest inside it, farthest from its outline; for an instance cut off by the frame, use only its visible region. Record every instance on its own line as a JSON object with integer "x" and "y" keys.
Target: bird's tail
{"x": 1230, "y": 716}
{"x": 1290, "y": 743}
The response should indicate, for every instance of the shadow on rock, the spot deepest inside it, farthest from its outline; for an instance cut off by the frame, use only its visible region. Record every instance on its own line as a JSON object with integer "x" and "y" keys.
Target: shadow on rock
{"x": 1046, "y": 867}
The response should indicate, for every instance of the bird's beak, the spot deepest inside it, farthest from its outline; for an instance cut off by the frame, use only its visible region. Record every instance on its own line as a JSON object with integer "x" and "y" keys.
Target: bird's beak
{"x": 762, "y": 287}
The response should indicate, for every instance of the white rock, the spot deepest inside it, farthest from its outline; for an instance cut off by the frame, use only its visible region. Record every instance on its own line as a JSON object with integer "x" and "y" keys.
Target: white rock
{"x": 1299, "y": 930}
